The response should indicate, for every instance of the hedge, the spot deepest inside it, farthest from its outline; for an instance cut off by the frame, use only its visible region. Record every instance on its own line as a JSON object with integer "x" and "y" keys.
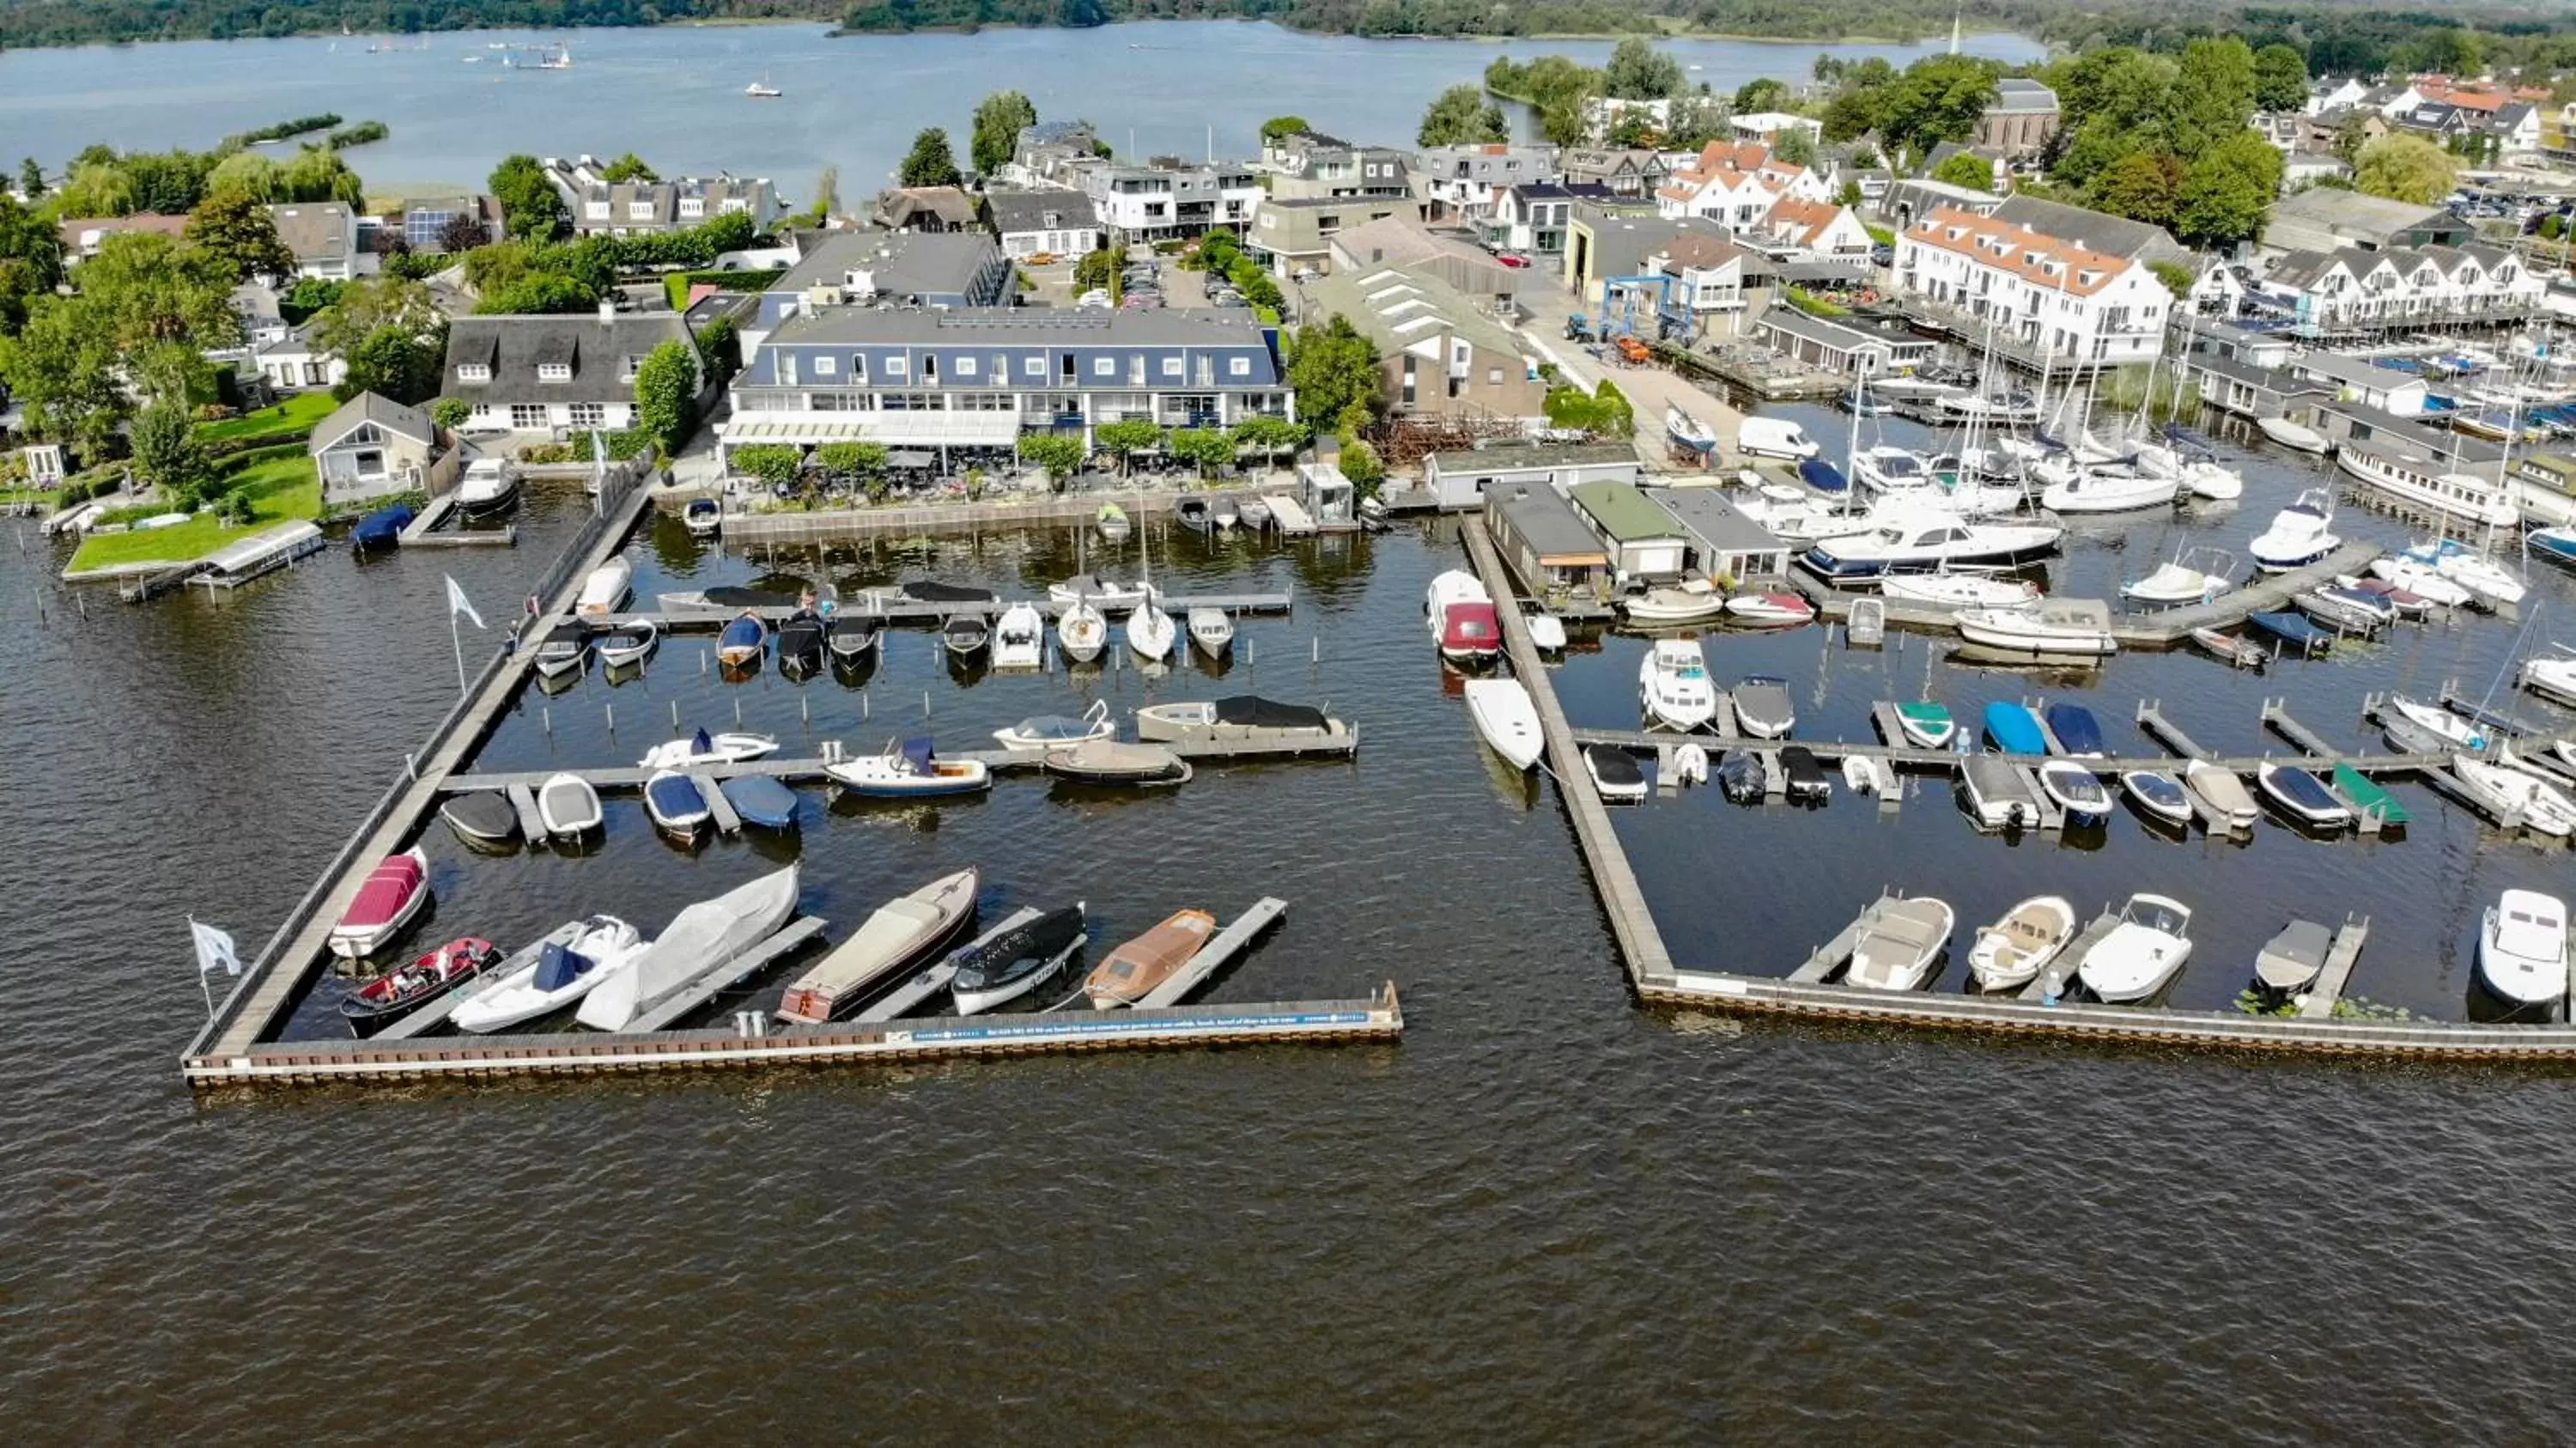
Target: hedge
{"x": 675, "y": 285}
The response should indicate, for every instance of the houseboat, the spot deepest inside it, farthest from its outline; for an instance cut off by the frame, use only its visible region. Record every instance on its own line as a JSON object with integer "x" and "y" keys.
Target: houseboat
{"x": 2424, "y": 482}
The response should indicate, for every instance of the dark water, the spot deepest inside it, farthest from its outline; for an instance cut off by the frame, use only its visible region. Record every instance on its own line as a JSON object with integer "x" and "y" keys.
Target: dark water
{"x": 1545, "y": 1216}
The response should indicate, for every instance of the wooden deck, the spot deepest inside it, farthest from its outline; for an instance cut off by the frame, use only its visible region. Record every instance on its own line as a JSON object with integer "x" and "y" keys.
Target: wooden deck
{"x": 905, "y": 611}
{"x": 2336, "y": 975}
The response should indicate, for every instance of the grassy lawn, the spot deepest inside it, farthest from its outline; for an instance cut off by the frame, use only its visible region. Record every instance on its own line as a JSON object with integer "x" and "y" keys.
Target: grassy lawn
{"x": 282, "y": 489}
{"x": 295, "y": 415}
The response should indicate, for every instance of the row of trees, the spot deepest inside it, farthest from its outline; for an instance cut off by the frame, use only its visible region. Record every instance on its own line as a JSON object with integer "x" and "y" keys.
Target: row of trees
{"x": 2166, "y": 139}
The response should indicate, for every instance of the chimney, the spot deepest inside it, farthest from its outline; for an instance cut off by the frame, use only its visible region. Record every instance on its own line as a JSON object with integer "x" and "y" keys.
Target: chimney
{"x": 607, "y": 311}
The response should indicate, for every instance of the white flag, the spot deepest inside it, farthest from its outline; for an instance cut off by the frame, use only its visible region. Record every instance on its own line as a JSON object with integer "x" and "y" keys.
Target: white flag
{"x": 456, "y": 603}
{"x": 214, "y": 950}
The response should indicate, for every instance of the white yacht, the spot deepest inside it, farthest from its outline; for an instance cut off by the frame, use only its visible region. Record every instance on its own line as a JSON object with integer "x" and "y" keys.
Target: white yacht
{"x": 2141, "y": 953}
{"x": 1674, "y": 687}
{"x": 2300, "y": 534}
{"x": 1507, "y": 718}
{"x": 1957, "y": 590}
{"x": 2522, "y": 948}
{"x": 2063, "y": 626}
{"x": 2488, "y": 581}
{"x": 1892, "y": 470}
{"x": 2110, "y": 490}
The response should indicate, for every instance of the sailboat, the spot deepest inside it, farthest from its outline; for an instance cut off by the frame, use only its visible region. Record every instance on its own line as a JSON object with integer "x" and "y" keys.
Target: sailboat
{"x": 1149, "y": 629}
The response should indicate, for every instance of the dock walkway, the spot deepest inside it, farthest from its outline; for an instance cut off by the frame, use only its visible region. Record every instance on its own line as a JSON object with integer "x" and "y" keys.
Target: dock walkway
{"x": 1000, "y": 761}
{"x": 1230, "y": 942}
{"x": 426, "y": 529}
{"x": 894, "y": 610}
{"x": 1907, "y": 756}
{"x": 2336, "y": 974}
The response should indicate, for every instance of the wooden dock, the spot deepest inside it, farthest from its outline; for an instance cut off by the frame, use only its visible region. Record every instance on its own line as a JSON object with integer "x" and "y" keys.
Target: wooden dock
{"x": 2278, "y": 719}
{"x": 426, "y": 529}
{"x": 1338, "y": 745}
{"x": 666, "y": 1009}
{"x": 2057, "y": 980}
{"x": 2153, "y": 723}
{"x": 896, "y": 610}
{"x": 523, "y": 803}
{"x": 2319, "y": 1003}
{"x": 719, "y": 808}
{"x": 1230, "y": 942}
{"x": 1825, "y": 959}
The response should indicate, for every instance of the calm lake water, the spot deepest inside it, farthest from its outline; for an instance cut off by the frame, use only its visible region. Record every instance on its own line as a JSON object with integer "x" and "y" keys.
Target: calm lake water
{"x": 675, "y": 95}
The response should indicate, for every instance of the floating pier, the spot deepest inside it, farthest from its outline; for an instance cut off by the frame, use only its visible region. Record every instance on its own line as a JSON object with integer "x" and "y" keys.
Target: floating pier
{"x": 719, "y": 808}
{"x": 933, "y": 978}
{"x": 426, "y": 529}
{"x": 1230, "y": 942}
{"x": 2054, "y": 982}
{"x": 671, "y": 1005}
{"x": 1943, "y": 761}
{"x": 2153, "y": 723}
{"x": 1822, "y": 961}
{"x": 899, "y": 610}
{"x": 2336, "y": 974}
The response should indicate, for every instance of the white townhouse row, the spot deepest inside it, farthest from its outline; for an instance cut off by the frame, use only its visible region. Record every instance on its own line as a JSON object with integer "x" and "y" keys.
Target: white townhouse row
{"x": 2065, "y": 300}
{"x": 2401, "y": 286}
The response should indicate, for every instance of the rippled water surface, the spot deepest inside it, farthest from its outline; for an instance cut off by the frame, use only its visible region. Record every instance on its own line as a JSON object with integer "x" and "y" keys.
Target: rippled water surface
{"x": 1547, "y": 1215}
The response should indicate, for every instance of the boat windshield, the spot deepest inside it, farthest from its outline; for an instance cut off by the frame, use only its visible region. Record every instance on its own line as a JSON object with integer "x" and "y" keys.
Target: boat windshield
{"x": 2155, "y": 915}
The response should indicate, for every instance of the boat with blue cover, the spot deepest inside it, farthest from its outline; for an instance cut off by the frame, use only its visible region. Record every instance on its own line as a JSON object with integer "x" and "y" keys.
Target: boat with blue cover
{"x": 743, "y": 641}
{"x": 381, "y": 528}
{"x": 2294, "y": 629}
{"x": 676, "y": 804}
{"x": 2014, "y": 729}
{"x": 2076, "y": 730}
{"x": 761, "y": 800}
{"x": 1823, "y": 476}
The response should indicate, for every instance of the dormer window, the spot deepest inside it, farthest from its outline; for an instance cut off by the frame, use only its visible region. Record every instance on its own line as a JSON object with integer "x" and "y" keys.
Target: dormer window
{"x": 554, "y": 372}
{"x": 896, "y": 367}
{"x": 826, "y": 367}
{"x": 639, "y": 210}
{"x": 473, "y": 372}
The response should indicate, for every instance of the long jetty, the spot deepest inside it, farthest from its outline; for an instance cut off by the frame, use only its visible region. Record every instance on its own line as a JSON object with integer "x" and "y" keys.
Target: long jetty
{"x": 1336, "y": 743}
{"x": 883, "y": 604}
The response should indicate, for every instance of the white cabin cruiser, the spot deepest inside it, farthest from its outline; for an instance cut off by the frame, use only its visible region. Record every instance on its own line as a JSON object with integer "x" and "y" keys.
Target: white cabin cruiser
{"x": 2300, "y": 534}
{"x": 1674, "y": 686}
{"x": 2142, "y": 952}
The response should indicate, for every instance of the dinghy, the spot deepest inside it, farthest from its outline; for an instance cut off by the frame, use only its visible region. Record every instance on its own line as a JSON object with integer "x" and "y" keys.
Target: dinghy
{"x": 964, "y": 635}
{"x": 1139, "y": 967}
{"x": 1925, "y": 724}
{"x": 483, "y": 817}
{"x": 1192, "y": 513}
{"x": 568, "y": 805}
{"x": 549, "y": 975}
{"x": 800, "y": 644}
{"x": 606, "y": 589}
{"x": 1211, "y": 631}
{"x": 1690, "y": 764}
{"x": 1898, "y": 949}
{"x": 2142, "y": 952}
{"x": 2304, "y": 796}
{"x": 699, "y": 939}
{"x": 1112, "y": 522}
{"x": 1108, "y": 762}
{"x": 702, "y": 749}
{"x": 2224, "y": 792}
{"x": 1239, "y": 716}
{"x": 2015, "y": 949}
{"x": 391, "y": 895}
{"x": 743, "y": 641}
{"x": 909, "y": 768}
{"x": 1615, "y": 775}
{"x": 2522, "y": 948}
{"x": 1040, "y": 732}
{"x": 1547, "y": 632}
{"x": 1507, "y": 719}
{"x": 2077, "y": 790}
{"x": 899, "y": 934}
{"x": 1223, "y": 514}
{"x": 1763, "y": 708}
{"x": 703, "y": 517}
{"x": 1008, "y": 966}
{"x": 565, "y": 649}
{"x": 2229, "y": 649}
{"x": 1255, "y": 513}
{"x": 678, "y": 807}
{"x": 2175, "y": 583}
{"x": 2290, "y": 960}
{"x": 1865, "y": 774}
{"x": 399, "y": 992}
{"x": 759, "y": 800}
{"x": 1019, "y": 640}
{"x": 1673, "y": 687}
{"x": 1773, "y": 609}
{"x": 627, "y": 644}
{"x": 2159, "y": 795}
{"x": 1082, "y": 630}
{"x": 851, "y": 636}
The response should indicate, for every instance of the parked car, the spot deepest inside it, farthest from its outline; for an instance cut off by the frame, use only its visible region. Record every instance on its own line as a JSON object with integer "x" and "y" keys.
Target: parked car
{"x": 1511, "y": 258}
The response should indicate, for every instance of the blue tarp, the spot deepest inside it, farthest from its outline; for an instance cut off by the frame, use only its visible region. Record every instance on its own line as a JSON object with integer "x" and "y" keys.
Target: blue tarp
{"x": 917, "y": 750}
{"x": 1822, "y": 476}
{"x": 558, "y": 967}
{"x": 383, "y": 526}
{"x": 2014, "y": 730}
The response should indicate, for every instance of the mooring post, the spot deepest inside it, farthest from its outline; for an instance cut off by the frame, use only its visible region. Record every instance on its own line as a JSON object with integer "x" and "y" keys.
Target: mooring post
{"x": 547, "y": 712}
{"x": 737, "y": 709}
{"x": 611, "y": 711}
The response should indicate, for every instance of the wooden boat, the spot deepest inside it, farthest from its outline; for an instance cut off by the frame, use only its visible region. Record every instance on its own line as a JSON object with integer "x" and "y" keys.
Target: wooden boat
{"x": 565, "y": 649}
{"x": 607, "y": 588}
{"x": 1019, "y": 640}
{"x": 391, "y": 895}
{"x": 1925, "y": 724}
{"x": 702, "y": 749}
{"x": 2144, "y": 951}
{"x": 678, "y": 807}
{"x": 1615, "y": 775}
{"x": 1806, "y": 778}
{"x": 759, "y": 800}
{"x": 2224, "y": 791}
{"x": 397, "y": 993}
{"x": 482, "y": 817}
{"x": 2160, "y": 795}
{"x": 996, "y": 971}
{"x": 910, "y": 768}
{"x": 568, "y": 805}
{"x": 1763, "y": 708}
{"x": 1059, "y": 731}
{"x": 1109, "y": 762}
{"x": 2290, "y": 960}
{"x": 1995, "y": 794}
{"x": 965, "y": 634}
{"x": 1137, "y": 968}
{"x": 1898, "y": 949}
{"x": 2302, "y": 795}
{"x": 899, "y": 934}
{"x": 800, "y": 643}
{"x": 2229, "y": 649}
{"x": 1211, "y": 631}
{"x": 2077, "y": 790}
{"x": 699, "y": 939}
{"x": 2019, "y": 946}
{"x": 743, "y": 641}
{"x": 2522, "y": 948}
{"x": 1238, "y": 716}
{"x": 550, "y": 974}
{"x": 627, "y": 644}
{"x": 1507, "y": 719}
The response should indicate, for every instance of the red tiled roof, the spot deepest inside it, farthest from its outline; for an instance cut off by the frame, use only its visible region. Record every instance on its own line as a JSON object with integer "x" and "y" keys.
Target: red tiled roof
{"x": 2030, "y": 254}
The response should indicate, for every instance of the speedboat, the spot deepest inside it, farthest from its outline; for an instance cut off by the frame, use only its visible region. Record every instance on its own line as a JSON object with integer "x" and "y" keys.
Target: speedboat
{"x": 1107, "y": 595}
{"x": 743, "y": 641}
{"x": 1150, "y": 633}
{"x": 391, "y": 895}
{"x": 399, "y": 992}
{"x": 1771, "y": 609}
{"x": 852, "y": 636}
{"x": 606, "y": 589}
{"x": 2070, "y": 626}
{"x": 2013, "y": 729}
{"x": 678, "y": 807}
{"x": 1240, "y": 716}
{"x": 1112, "y": 522}
{"x": 2558, "y": 545}
{"x": 627, "y": 644}
{"x": 702, "y": 749}
{"x": 2077, "y": 790}
{"x": 2227, "y": 648}
{"x": 1082, "y": 631}
{"x": 2290, "y": 960}
{"x": 1547, "y": 632}
{"x": 1995, "y": 794}
{"x": 897, "y": 935}
{"x": 2159, "y": 794}
{"x": 964, "y": 635}
{"x": 2224, "y": 792}
{"x": 1507, "y": 719}
{"x": 488, "y": 486}
{"x": 1019, "y": 640}
{"x": 800, "y": 643}
{"x": 1739, "y": 776}
{"x": 910, "y": 768}
{"x": 565, "y": 650}
{"x": 2304, "y": 796}
{"x": 2293, "y": 629}
{"x": 2300, "y": 534}
{"x": 1469, "y": 632}
{"x": 703, "y": 937}
{"x": 1041, "y": 732}
{"x": 1673, "y": 685}
{"x": 2175, "y": 583}
{"x": 2421, "y": 579}
{"x": 1900, "y": 945}
{"x": 1763, "y": 708}
{"x": 702, "y": 517}
{"x": 760, "y": 800}
{"x": 1211, "y": 631}
{"x": 2291, "y": 435}
{"x": 2454, "y": 731}
{"x": 2522, "y": 948}
{"x": 2077, "y": 731}
{"x": 1957, "y": 590}
{"x": 1615, "y": 775}
{"x": 549, "y": 975}
{"x": 2110, "y": 490}
{"x": 2553, "y": 679}
{"x": 2488, "y": 582}
{"x": 2141, "y": 953}
{"x": 1008, "y": 966}
{"x": 483, "y": 817}
{"x": 1925, "y": 724}
{"x": 1139, "y": 967}
{"x": 1691, "y": 602}
{"x": 2018, "y": 947}
{"x": 568, "y": 805}
{"x": 1111, "y": 763}
{"x": 1802, "y": 776}
{"x": 2543, "y": 808}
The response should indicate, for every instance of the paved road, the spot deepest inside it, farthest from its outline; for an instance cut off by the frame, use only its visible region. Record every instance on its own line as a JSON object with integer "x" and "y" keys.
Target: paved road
{"x": 1650, "y": 388}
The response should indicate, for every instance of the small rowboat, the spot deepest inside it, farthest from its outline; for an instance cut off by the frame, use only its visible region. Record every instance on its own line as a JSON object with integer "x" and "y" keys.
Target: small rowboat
{"x": 2229, "y": 649}
{"x": 1926, "y": 724}
{"x": 393, "y": 893}
{"x": 397, "y": 993}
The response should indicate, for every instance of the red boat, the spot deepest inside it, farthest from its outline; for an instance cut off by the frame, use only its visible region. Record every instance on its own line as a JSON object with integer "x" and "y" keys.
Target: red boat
{"x": 397, "y": 993}
{"x": 392, "y": 895}
{"x": 1470, "y": 632}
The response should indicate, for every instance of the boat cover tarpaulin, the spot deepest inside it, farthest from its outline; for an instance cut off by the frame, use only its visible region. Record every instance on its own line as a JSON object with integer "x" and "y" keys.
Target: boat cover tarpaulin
{"x": 1251, "y": 710}
{"x": 917, "y": 751}
{"x": 558, "y": 967}
{"x": 933, "y": 591}
{"x": 1822, "y": 476}
{"x": 1615, "y": 766}
{"x": 388, "y": 886}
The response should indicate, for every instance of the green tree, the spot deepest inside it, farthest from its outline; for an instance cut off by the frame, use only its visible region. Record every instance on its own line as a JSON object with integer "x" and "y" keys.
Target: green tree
{"x": 238, "y": 229}
{"x": 95, "y": 189}
{"x": 2227, "y": 196}
{"x": 370, "y": 305}
{"x": 1204, "y": 448}
{"x": 2213, "y": 96}
{"x": 2405, "y": 168}
{"x": 2280, "y": 78}
{"x": 999, "y": 119}
{"x": 451, "y": 413}
{"x": 1764, "y": 94}
{"x": 827, "y": 196}
{"x": 1461, "y": 116}
{"x": 391, "y": 363}
{"x": 1966, "y": 169}
{"x": 772, "y": 463}
{"x": 720, "y": 350}
{"x": 629, "y": 167}
{"x": 1360, "y": 463}
{"x": 1270, "y": 436}
{"x": 666, "y": 387}
{"x": 1126, "y": 437}
{"x": 31, "y": 261}
{"x": 931, "y": 162}
{"x": 1101, "y": 270}
{"x": 537, "y": 294}
{"x": 531, "y": 208}
{"x": 31, "y": 178}
{"x": 1639, "y": 72}
{"x": 1937, "y": 99}
{"x": 317, "y": 174}
{"x": 1693, "y": 121}
{"x": 1850, "y": 194}
{"x": 1333, "y": 370}
{"x": 245, "y": 173}
{"x": 2141, "y": 187}
{"x": 1279, "y": 126}
{"x": 64, "y": 372}
{"x": 166, "y": 450}
{"x": 147, "y": 290}
{"x": 2177, "y": 277}
{"x": 1797, "y": 146}
{"x": 1057, "y": 455}
{"x": 852, "y": 462}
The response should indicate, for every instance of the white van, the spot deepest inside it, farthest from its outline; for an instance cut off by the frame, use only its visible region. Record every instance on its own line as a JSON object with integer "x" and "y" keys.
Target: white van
{"x": 1774, "y": 437}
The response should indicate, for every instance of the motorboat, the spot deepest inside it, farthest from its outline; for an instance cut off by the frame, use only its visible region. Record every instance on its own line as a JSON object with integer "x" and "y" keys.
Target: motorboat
{"x": 568, "y": 805}
{"x": 1673, "y": 686}
{"x": 1763, "y": 708}
{"x": 1950, "y": 590}
{"x": 565, "y": 650}
{"x": 947, "y": 598}
{"x": 2300, "y": 534}
{"x": 2228, "y": 649}
{"x": 1739, "y": 776}
{"x": 1995, "y": 794}
{"x": 2077, "y": 790}
{"x": 1615, "y": 775}
{"x": 1900, "y": 944}
{"x": 1211, "y": 631}
{"x": 374, "y": 533}
{"x": 701, "y": 938}
{"x": 1470, "y": 632}
{"x": 702, "y": 749}
{"x": 1019, "y": 639}
{"x": 2522, "y": 948}
{"x": 853, "y": 636}
{"x": 1691, "y": 602}
{"x": 2067, "y": 626}
{"x": 1042, "y": 732}
{"x": 2454, "y": 731}
{"x": 743, "y": 641}
{"x": 2553, "y": 679}
{"x": 1507, "y": 719}
{"x": 1689, "y": 433}
{"x": 1193, "y": 514}
{"x": 607, "y": 588}
{"x": 1107, "y": 595}
{"x": 2558, "y": 545}
{"x": 2110, "y": 490}
{"x": 679, "y": 808}
{"x": 1223, "y": 513}
{"x": 399, "y": 992}
{"x": 2077, "y": 731}
{"x": 2399, "y": 602}
{"x": 2290, "y": 960}
{"x": 800, "y": 643}
{"x": 2015, "y": 949}
{"x": 2406, "y": 737}
{"x": 2302, "y": 795}
{"x": 1112, "y": 522}
{"x": 1547, "y": 632}
{"x": 1005, "y": 967}
{"x": 2176, "y": 583}
{"x": 2422, "y": 579}
{"x": 2369, "y": 800}
{"x": 1925, "y": 724}
{"x": 487, "y": 486}
{"x": 1772, "y": 609}
{"x": 1869, "y": 775}
{"x": 1239, "y": 716}
{"x": 1082, "y": 631}
{"x": 907, "y": 769}
{"x": 2291, "y": 435}
{"x": 1925, "y": 540}
{"x": 2013, "y": 729}
{"x": 549, "y": 975}
{"x": 2543, "y": 808}
{"x": 1890, "y": 469}
{"x": 964, "y": 635}
{"x": 2158, "y": 794}
{"x": 2294, "y": 629}
{"x": 1255, "y": 513}
{"x": 899, "y": 934}
{"x": 1109, "y": 762}
{"x": 1150, "y": 633}
{"x": 1139, "y": 967}
{"x": 703, "y": 517}
{"x": 2141, "y": 953}
{"x": 628, "y": 644}
{"x": 387, "y": 899}
{"x": 2489, "y": 583}
{"x": 1803, "y": 777}
{"x": 1690, "y": 765}
{"x": 720, "y": 601}
{"x": 760, "y": 800}
{"x": 2224, "y": 793}
{"x": 483, "y": 817}
{"x": 2338, "y": 611}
